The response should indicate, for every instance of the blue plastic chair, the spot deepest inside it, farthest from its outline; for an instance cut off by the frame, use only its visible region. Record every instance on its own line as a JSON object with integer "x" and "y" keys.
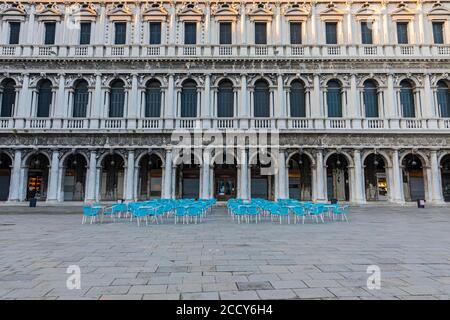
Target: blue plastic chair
{"x": 194, "y": 212}
{"x": 299, "y": 212}
{"x": 342, "y": 211}
{"x": 89, "y": 212}
{"x": 316, "y": 212}
{"x": 180, "y": 212}
{"x": 252, "y": 211}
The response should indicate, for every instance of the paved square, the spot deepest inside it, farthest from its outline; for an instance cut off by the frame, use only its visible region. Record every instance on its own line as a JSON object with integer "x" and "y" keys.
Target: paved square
{"x": 220, "y": 259}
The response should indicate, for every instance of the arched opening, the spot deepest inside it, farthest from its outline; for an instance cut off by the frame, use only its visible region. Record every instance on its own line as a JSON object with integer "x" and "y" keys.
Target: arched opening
{"x": 297, "y": 99}
{"x": 153, "y": 99}
{"x": 375, "y": 178}
{"x": 37, "y": 180}
{"x": 262, "y": 178}
{"x": 5, "y": 175}
{"x": 189, "y": 99}
{"x": 413, "y": 178}
{"x": 443, "y": 98}
{"x": 334, "y": 99}
{"x": 225, "y": 99}
{"x": 225, "y": 179}
{"x": 338, "y": 186}
{"x": 407, "y": 99}
{"x": 8, "y": 97}
{"x": 370, "y": 97}
{"x": 74, "y": 185}
{"x": 44, "y": 90}
{"x": 80, "y": 99}
{"x": 300, "y": 181}
{"x": 445, "y": 177}
{"x": 150, "y": 177}
{"x": 261, "y": 105}
{"x": 112, "y": 178}
{"x": 188, "y": 180}
{"x": 117, "y": 99}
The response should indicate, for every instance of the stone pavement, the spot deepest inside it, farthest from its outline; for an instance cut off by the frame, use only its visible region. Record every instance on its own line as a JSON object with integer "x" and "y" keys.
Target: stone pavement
{"x": 220, "y": 259}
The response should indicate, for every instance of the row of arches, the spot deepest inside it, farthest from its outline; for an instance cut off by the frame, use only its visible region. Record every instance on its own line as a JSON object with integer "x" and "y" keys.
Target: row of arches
{"x": 225, "y": 177}
{"x": 225, "y": 101}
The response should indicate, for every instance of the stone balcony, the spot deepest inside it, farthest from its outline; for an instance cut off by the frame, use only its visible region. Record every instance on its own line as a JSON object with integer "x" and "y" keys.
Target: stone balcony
{"x": 243, "y": 51}
{"x": 441, "y": 125}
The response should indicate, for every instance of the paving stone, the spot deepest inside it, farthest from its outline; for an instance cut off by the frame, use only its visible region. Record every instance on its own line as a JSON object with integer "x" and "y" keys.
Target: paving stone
{"x": 276, "y": 294}
{"x": 143, "y": 289}
{"x": 238, "y": 295}
{"x": 260, "y": 285}
{"x": 288, "y": 284}
{"x": 200, "y": 296}
{"x": 311, "y": 293}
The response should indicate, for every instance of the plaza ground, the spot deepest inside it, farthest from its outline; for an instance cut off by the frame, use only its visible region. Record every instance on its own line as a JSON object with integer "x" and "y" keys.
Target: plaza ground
{"x": 220, "y": 259}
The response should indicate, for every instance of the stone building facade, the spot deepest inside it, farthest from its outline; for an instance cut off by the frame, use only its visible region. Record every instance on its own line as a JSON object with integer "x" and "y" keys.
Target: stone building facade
{"x": 356, "y": 93}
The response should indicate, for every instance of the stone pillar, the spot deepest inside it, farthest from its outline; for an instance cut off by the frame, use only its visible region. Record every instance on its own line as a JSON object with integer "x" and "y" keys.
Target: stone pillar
{"x": 52, "y": 193}
{"x": 60, "y": 104}
{"x": 97, "y": 111}
{"x": 129, "y": 185}
{"x": 170, "y": 103}
{"x": 167, "y": 194}
{"x": 133, "y": 103}
{"x": 205, "y": 108}
{"x": 24, "y": 105}
{"x": 397, "y": 193}
{"x": 244, "y": 174}
{"x": 91, "y": 188}
{"x": 358, "y": 178}
{"x": 436, "y": 184}
{"x": 282, "y": 194}
{"x": 14, "y": 186}
{"x": 320, "y": 177}
{"x": 243, "y": 109}
{"x": 205, "y": 193}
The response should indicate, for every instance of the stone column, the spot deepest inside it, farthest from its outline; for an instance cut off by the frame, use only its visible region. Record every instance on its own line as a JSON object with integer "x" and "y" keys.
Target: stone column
{"x": 205, "y": 108}
{"x": 282, "y": 175}
{"x": 91, "y": 188}
{"x": 244, "y": 174}
{"x": 205, "y": 193}
{"x": 24, "y": 105}
{"x": 358, "y": 182}
{"x": 60, "y": 104}
{"x": 320, "y": 177}
{"x": 167, "y": 194}
{"x": 97, "y": 111}
{"x": 397, "y": 193}
{"x": 170, "y": 103}
{"x": 436, "y": 184}
{"x": 14, "y": 186}
{"x": 129, "y": 186}
{"x": 133, "y": 103}
{"x": 52, "y": 194}
{"x": 243, "y": 108}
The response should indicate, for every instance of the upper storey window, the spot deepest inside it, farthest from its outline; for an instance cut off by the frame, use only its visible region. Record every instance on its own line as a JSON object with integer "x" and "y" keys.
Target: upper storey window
{"x": 438, "y": 32}
{"x": 50, "y": 31}
{"x": 190, "y": 33}
{"x": 155, "y": 32}
{"x": 85, "y": 33}
{"x": 225, "y": 33}
{"x": 120, "y": 35}
{"x": 296, "y": 32}
{"x": 260, "y": 33}
{"x": 402, "y": 32}
{"x": 331, "y": 32}
{"x": 366, "y": 33}
{"x": 14, "y": 32}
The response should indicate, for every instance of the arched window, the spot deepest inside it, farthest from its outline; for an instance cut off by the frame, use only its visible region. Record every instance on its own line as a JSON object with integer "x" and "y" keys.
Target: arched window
{"x": 225, "y": 103}
{"x": 262, "y": 99}
{"x": 407, "y": 99}
{"x": 8, "y": 97}
{"x": 153, "y": 99}
{"x": 44, "y": 98}
{"x": 117, "y": 99}
{"x": 370, "y": 96}
{"x": 80, "y": 99}
{"x": 297, "y": 99}
{"x": 443, "y": 99}
{"x": 334, "y": 99}
{"x": 189, "y": 99}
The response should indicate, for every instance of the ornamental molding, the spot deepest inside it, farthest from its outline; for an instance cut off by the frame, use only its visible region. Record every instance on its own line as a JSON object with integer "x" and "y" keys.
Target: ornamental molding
{"x": 332, "y": 13}
{"x": 366, "y": 12}
{"x": 438, "y": 12}
{"x": 260, "y": 12}
{"x": 154, "y": 12}
{"x": 13, "y": 11}
{"x": 297, "y": 12}
{"x": 403, "y": 12}
{"x": 49, "y": 12}
{"x": 84, "y": 11}
{"x": 119, "y": 12}
{"x": 225, "y": 12}
{"x": 190, "y": 12}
